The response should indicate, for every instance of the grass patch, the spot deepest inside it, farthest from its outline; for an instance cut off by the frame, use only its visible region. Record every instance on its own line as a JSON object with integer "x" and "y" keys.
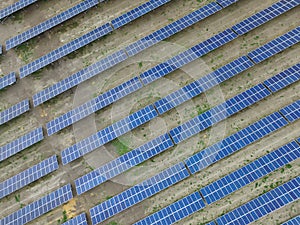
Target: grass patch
{"x": 121, "y": 147}
{"x": 24, "y": 51}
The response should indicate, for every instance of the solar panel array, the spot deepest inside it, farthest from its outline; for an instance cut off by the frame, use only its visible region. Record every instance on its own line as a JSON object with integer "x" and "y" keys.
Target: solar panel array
{"x": 93, "y": 105}
{"x": 123, "y": 163}
{"x": 138, "y": 193}
{"x": 78, "y": 220}
{"x": 39, "y": 207}
{"x": 293, "y": 221}
{"x": 290, "y": 112}
{"x": 14, "y": 111}
{"x": 108, "y": 134}
{"x": 264, "y": 204}
{"x": 251, "y": 172}
{"x": 28, "y": 176}
{"x": 15, "y": 7}
{"x": 48, "y": 24}
{"x": 7, "y": 80}
{"x": 226, "y": 3}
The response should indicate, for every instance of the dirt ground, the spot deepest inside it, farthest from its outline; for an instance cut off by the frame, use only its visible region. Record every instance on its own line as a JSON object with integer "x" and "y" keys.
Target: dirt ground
{"x": 118, "y": 39}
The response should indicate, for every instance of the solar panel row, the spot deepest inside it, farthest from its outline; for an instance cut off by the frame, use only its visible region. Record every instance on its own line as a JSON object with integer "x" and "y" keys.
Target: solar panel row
{"x": 21, "y": 143}
{"x": 291, "y": 112}
{"x": 108, "y": 134}
{"x": 293, "y": 221}
{"x": 48, "y": 24}
{"x": 263, "y": 205}
{"x": 226, "y": 3}
{"x": 14, "y": 111}
{"x": 15, "y": 7}
{"x": 7, "y": 80}
{"x": 39, "y": 207}
{"x": 251, "y": 172}
{"x": 78, "y": 220}
{"x": 93, "y": 105}
{"x": 138, "y": 193}
{"x": 28, "y": 176}
{"x": 123, "y": 163}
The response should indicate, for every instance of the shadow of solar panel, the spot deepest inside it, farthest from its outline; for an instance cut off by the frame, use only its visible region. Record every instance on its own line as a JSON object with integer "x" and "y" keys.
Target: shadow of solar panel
{"x": 275, "y": 46}
{"x": 93, "y": 105}
{"x": 263, "y": 205}
{"x": 7, "y": 80}
{"x": 15, "y": 7}
{"x": 48, "y": 24}
{"x": 123, "y": 163}
{"x": 292, "y": 112}
{"x": 137, "y": 12}
{"x": 14, "y": 111}
{"x": 251, "y": 172}
{"x": 108, "y": 134}
{"x": 138, "y": 193}
{"x": 172, "y": 28}
{"x": 176, "y": 211}
{"x": 293, "y": 221}
{"x": 226, "y": 3}
{"x": 284, "y": 78}
{"x": 78, "y": 220}
{"x": 39, "y": 207}
{"x": 28, "y": 176}
{"x": 264, "y": 16}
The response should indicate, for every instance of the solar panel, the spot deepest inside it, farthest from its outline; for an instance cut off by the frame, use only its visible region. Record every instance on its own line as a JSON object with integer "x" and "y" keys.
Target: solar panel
{"x": 79, "y": 77}
{"x": 39, "y": 207}
{"x": 187, "y": 56}
{"x": 15, "y": 7}
{"x": 284, "y": 78}
{"x": 108, "y": 134}
{"x": 211, "y": 223}
{"x": 203, "y": 84}
{"x": 275, "y": 46}
{"x": 137, "y": 12}
{"x": 251, "y": 172}
{"x": 123, "y": 163}
{"x": 219, "y": 113}
{"x": 21, "y": 143}
{"x": 93, "y": 105}
{"x": 48, "y": 24}
{"x": 235, "y": 142}
{"x": 0, "y": 49}
{"x": 293, "y": 221}
{"x": 7, "y": 80}
{"x": 78, "y": 220}
{"x": 172, "y": 28}
{"x": 298, "y": 140}
{"x": 263, "y": 205}
{"x": 28, "y": 176}
{"x": 138, "y": 193}
{"x": 226, "y": 3}
{"x": 292, "y": 111}
{"x": 176, "y": 211}
{"x": 264, "y": 16}
{"x": 14, "y": 111}
{"x": 65, "y": 50}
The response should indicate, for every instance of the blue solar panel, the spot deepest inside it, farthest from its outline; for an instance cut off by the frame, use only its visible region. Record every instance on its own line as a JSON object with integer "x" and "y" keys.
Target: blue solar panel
{"x": 123, "y": 163}
{"x": 48, "y": 24}
{"x": 284, "y": 78}
{"x": 28, "y": 176}
{"x": 263, "y": 205}
{"x": 275, "y": 46}
{"x": 293, "y": 221}
{"x": 235, "y": 142}
{"x": 264, "y": 16}
{"x": 172, "y": 28}
{"x": 226, "y": 3}
{"x": 79, "y": 77}
{"x": 65, "y": 50}
{"x": 21, "y": 143}
{"x": 292, "y": 111}
{"x": 176, "y": 211}
{"x": 39, "y": 207}
{"x": 108, "y": 134}
{"x": 93, "y": 105}
{"x": 211, "y": 223}
{"x": 138, "y": 193}
{"x": 251, "y": 172}
{"x": 203, "y": 84}
{"x": 15, "y": 7}
{"x": 78, "y": 220}
{"x": 7, "y": 80}
{"x": 137, "y": 12}
{"x": 14, "y": 111}
{"x": 187, "y": 56}
{"x": 219, "y": 113}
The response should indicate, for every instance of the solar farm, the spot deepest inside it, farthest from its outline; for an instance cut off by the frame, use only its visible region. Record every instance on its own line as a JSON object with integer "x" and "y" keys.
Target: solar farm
{"x": 149, "y": 112}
